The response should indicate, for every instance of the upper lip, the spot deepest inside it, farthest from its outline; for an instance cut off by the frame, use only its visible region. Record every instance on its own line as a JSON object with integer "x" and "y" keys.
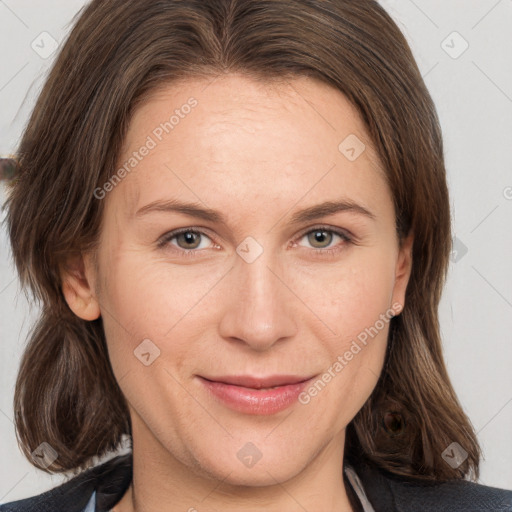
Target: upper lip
{"x": 249, "y": 381}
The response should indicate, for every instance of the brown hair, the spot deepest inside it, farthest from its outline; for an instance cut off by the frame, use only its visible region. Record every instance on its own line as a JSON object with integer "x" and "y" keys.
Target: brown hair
{"x": 118, "y": 53}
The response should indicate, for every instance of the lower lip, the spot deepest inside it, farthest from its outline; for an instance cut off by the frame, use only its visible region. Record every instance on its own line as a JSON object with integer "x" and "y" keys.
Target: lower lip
{"x": 253, "y": 401}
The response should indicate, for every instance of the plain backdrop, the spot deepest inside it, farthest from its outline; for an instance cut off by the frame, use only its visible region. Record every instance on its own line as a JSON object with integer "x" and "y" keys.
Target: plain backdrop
{"x": 464, "y": 50}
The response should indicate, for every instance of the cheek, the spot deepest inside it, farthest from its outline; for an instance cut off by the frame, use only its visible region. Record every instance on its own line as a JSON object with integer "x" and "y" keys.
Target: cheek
{"x": 353, "y": 294}
{"x": 356, "y": 307}
{"x": 359, "y": 314}
{"x": 146, "y": 298}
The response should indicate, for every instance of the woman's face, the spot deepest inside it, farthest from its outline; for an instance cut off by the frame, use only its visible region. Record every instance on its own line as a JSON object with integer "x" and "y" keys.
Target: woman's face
{"x": 261, "y": 289}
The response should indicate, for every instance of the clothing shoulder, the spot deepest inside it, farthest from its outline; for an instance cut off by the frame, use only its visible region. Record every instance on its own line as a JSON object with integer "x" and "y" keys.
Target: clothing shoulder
{"x": 110, "y": 480}
{"x": 391, "y": 493}
{"x": 385, "y": 491}
{"x": 455, "y": 496}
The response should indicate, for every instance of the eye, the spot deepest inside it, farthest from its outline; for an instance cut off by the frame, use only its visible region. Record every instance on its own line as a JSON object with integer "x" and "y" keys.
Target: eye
{"x": 187, "y": 240}
{"x": 321, "y": 238}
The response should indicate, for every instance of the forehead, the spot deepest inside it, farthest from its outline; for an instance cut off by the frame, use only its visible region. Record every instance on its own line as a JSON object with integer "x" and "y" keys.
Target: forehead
{"x": 274, "y": 137}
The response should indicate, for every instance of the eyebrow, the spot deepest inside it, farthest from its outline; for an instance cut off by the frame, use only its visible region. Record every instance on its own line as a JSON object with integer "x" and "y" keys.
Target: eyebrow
{"x": 208, "y": 214}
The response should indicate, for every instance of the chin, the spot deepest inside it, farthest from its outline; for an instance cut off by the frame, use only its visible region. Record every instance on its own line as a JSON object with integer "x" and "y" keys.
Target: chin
{"x": 267, "y": 471}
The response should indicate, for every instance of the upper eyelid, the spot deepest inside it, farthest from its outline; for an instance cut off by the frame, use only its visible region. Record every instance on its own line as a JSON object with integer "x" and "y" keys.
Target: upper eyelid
{"x": 334, "y": 229}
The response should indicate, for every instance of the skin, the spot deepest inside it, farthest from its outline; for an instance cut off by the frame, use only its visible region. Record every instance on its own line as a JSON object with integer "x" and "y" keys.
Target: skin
{"x": 257, "y": 153}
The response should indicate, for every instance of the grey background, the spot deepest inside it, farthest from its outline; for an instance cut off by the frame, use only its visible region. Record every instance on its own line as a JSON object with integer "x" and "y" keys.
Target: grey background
{"x": 473, "y": 95}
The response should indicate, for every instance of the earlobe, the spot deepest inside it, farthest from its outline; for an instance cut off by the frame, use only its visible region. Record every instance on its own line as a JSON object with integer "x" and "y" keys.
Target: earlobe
{"x": 77, "y": 290}
{"x": 402, "y": 273}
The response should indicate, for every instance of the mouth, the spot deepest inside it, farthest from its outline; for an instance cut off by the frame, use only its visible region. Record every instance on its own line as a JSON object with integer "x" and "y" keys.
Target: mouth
{"x": 269, "y": 382}
{"x": 255, "y": 395}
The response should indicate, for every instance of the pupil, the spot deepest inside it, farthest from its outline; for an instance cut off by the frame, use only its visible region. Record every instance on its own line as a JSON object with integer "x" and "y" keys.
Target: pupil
{"x": 320, "y": 236}
{"x": 189, "y": 237}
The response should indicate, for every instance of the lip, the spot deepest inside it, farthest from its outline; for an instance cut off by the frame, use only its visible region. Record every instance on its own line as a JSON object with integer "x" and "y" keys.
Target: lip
{"x": 244, "y": 393}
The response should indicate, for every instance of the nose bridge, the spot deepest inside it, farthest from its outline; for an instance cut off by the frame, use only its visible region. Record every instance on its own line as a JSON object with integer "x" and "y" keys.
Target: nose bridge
{"x": 259, "y": 311}
{"x": 258, "y": 284}
{"x": 257, "y": 279}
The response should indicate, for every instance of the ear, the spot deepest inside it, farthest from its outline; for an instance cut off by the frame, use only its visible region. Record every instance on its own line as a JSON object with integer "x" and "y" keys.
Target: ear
{"x": 77, "y": 276}
{"x": 402, "y": 273}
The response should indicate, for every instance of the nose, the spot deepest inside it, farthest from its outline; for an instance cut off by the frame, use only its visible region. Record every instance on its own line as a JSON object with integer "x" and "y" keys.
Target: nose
{"x": 259, "y": 309}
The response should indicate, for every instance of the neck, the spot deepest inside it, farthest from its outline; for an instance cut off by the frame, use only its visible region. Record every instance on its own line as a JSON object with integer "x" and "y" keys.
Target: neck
{"x": 161, "y": 483}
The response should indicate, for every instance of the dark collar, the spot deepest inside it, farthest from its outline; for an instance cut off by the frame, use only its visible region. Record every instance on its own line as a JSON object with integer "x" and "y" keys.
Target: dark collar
{"x": 386, "y": 491}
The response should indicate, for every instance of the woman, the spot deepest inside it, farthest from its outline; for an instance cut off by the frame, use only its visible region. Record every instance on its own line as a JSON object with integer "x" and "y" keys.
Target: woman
{"x": 183, "y": 168}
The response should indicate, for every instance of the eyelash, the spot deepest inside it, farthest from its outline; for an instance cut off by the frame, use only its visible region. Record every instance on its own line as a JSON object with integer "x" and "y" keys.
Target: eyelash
{"x": 321, "y": 252}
